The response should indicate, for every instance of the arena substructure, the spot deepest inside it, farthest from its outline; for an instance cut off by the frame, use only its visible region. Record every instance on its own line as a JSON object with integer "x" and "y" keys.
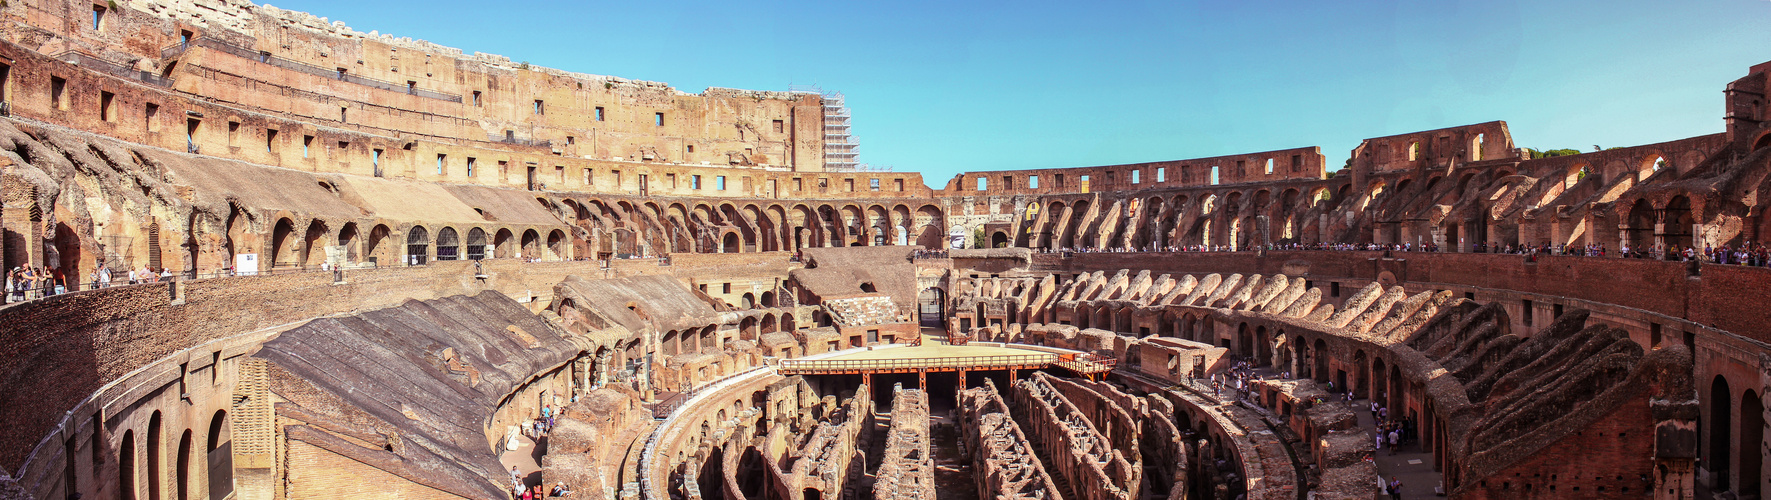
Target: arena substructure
{"x": 273, "y": 257}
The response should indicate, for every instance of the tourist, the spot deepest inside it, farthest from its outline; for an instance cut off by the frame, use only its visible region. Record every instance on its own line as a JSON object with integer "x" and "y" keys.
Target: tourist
{"x": 1395, "y": 488}
{"x": 1395, "y": 438}
{"x": 560, "y": 490}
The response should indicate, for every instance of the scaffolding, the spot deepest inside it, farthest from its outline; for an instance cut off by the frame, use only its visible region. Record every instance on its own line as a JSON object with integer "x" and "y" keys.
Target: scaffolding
{"x": 842, "y": 153}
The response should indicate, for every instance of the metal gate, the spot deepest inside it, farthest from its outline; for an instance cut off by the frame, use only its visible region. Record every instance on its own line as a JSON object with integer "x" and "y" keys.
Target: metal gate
{"x": 931, "y": 308}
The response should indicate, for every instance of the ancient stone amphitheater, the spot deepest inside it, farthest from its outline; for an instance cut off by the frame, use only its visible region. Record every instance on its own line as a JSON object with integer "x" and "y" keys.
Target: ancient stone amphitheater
{"x": 374, "y": 259}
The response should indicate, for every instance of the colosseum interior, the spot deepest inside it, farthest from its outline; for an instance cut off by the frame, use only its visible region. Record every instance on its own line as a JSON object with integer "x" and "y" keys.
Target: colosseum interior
{"x": 387, "y": 258}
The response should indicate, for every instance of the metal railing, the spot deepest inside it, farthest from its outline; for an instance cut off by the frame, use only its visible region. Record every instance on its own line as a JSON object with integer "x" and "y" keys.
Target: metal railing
{"x": 797, "y": 366}
{"x": 291, "y": 64}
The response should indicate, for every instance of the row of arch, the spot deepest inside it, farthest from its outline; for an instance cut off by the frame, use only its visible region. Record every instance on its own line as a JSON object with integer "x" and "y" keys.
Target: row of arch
{"x": 182, "y": 475}
{"x": 288, "y": 250}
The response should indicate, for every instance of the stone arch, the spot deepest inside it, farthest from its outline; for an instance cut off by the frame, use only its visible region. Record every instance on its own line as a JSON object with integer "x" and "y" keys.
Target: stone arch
{"x": 283, "y": 244}
{"x": 417, "y": 246}
{"x": 126, "y": 466}
{"x": 221, "y": 465}
{"x": 182, "y": 467}
{"x": 314, "y": 243}
{"x": 503, "y": 243}
{"x": 731, "y": 244}
{"x": 347, "y": 238}
{"x": 448, "y": 244}
{"x": 556, "y": 245}
{"x": 1676, "y": 230}
{"x": 1721, "y": 427}
{"x": 476, "y": 244}
{"x": 1652, "y": 164}
{"x": 531, "y": 244}
{"x": 1752, "y": 437}
{"x": 155, "y": 452}
{"x": 376, "y": 247}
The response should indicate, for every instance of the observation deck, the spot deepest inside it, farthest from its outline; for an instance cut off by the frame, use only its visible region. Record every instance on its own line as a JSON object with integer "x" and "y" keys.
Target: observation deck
{"x": 932, "y": 357}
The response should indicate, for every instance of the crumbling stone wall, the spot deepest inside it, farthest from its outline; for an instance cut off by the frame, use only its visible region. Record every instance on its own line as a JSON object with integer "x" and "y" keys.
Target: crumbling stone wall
{"x": 1004, "y": 462}
{"x": 907, "y": 469}
{"x": 1088, "y": 461}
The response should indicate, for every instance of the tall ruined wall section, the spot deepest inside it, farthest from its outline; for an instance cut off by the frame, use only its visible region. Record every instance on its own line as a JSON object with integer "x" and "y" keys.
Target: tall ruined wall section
{"x": 907, "y": 469}
{"x": 1003, "y": 460}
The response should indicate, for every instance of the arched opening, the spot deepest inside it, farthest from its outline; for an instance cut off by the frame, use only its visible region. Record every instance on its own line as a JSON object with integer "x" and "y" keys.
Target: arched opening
{"x": 930, "y": 308}
{"x": 314, "y": 244}
{"x": 282, "y": 244}
{"x": 448, "y": 244}
{"x": 812, "y": 494}
{"x": 377, "y": 251}
{"x": 788, "y": 323}
{"x": 768, "y": 299}
{"x": 1263, "y": 347}
{"x": 750, "y": 474}
{"x": 1752, "y": 435}
{"x": 1641, "y": 227}
{"x": 476, "y": 244}
{"x": 1319, "y": 354}
{"x": 417, "y": 246}
{"x": 1651, "y": 165}
{"x": 1677, "y": 230}
{"x": 731, "y": 244}
{"x": 503, "y": 244}
{"x": 999, "y": 239}
{"x": 748, "y": 300}
{"x": 1244, "y": 341}
{"x": 767, "y": 325}
{"x": 712, "y": 476}
{"x": 867, "y": 287}
{"x": 531, "y": 244}
{"x": 154, "y": 453}
{"x": 67, "y": 251}
{"x": 1762, "y": 142}
{"x": 556, "y": 245}
{"x": 347, "y": 238}
{"x": 126, "y": 467}
{"x": 1379, "y": 385}
{"x": 183, "y": 474}
{"x": 220, "y": 457}
{"x": 1721, "y": 442}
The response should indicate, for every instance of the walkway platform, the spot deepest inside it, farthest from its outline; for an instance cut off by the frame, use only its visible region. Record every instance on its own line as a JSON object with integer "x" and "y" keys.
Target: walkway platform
{"x": 933, "y": 357}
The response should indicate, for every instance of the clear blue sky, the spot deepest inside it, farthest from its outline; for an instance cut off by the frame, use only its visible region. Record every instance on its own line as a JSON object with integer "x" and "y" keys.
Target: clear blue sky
{"x": 941, "y": 87}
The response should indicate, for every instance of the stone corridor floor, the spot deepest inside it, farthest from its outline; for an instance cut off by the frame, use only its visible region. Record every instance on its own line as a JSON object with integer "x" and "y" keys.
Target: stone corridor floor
{"x": 526, "y": 458}
{"x": 1413, "y": 466}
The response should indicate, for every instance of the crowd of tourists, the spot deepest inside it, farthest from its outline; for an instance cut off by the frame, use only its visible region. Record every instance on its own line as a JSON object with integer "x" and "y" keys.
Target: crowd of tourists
{"x": 535, "y": 429}
{"x": 929, "y": 254}
{"x": 1748, "y": 254}
{"x": 31, "y": 283}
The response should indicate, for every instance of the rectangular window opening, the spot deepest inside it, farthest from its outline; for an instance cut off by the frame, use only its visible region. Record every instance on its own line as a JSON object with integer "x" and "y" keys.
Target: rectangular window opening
{"x": 270, "y": 140}
{"x": 719, "y": 182}
{"x": 476, "y": 98}
{"x": 471, "y": 162}
{"x": 873, "y": 184}
{"x": 540, "y": 107}
{"x": 658, "y": 118}
{"x": 1032, "y": 182}
{"x": 149, "y": 117}
{"x": 307, "y": 141}
{"x": 98, "y": 17}
{"x": 233, "y": 134}
{"x": 1527, "y": 313}
{"x": 599, "y": 113}
{"x": 588, "y": 181}
{"x": 105, "y": 99}
{"x": 1161, "y": 174}
{"x": 983, "y": 184}
{"x": 441, "y": 159}
{"x": 1137, "y": 176}
{"x": 779, "y": 126}
{"x": 58, "y": 88}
